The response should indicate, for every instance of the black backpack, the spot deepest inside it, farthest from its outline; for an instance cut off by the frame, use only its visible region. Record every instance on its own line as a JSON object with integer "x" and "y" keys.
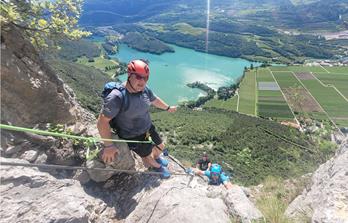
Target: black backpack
{"x": 108, "y": 87}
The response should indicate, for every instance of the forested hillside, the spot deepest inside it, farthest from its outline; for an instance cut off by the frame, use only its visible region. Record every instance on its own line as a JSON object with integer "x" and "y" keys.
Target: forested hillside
{"x": 241, "y": 141}
{"x": 298, "y": 14}
{"x": 272, "y": 31}
{"x": 71, "y": 50}
{"x": 87, "y": 82}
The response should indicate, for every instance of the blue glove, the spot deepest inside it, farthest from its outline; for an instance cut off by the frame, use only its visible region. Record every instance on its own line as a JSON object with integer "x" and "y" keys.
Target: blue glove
{"x": 189, "y": 171}
{"x": 165, "y": 152}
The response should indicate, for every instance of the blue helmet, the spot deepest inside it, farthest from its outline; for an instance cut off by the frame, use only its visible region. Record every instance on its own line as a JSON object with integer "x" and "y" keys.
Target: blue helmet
{"x": 215, "y": 169}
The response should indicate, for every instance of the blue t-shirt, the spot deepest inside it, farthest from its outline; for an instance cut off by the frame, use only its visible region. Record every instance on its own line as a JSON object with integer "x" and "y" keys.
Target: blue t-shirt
{"x": 222, "y": 179}
{"x": 134, "y": 119}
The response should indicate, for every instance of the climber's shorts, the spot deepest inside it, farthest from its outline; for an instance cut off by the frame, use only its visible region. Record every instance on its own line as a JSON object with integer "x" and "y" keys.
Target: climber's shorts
{"x": 145, "y": 149}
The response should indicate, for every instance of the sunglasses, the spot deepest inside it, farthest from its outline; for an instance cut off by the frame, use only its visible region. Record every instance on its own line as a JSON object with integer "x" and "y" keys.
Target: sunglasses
{"x": 139, "y": 77}
{"x": 214, "y": 174}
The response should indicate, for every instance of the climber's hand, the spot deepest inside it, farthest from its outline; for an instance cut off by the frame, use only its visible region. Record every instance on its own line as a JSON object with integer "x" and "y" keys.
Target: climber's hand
{"x": 109, "y": 154}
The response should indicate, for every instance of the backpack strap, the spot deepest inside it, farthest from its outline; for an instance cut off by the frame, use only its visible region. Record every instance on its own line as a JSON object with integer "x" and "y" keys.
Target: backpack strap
{"x": 125, "y": 99}
{"x": 110, "y": 86}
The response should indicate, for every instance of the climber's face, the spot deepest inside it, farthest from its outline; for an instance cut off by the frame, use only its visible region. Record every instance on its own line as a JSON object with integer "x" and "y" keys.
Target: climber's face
{"x": 215, "y": 176}
{"x": 138, "y": 81}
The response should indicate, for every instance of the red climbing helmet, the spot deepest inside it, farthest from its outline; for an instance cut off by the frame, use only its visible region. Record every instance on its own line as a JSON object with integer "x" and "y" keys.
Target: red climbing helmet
{"x": 139, "y": 67}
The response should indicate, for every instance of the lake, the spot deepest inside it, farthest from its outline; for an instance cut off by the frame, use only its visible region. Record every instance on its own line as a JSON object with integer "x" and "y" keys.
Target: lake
{"x": 170, "y": 72}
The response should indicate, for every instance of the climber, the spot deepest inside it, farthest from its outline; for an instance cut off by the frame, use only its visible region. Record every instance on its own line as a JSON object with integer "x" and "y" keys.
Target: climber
{"x": 126, "y": 111}
{"x": 204, "y": 162}
{"x": 215, "y": 175}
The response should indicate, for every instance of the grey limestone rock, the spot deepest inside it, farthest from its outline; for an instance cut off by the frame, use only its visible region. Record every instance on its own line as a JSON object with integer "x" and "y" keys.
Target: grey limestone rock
{"x": 190, "y": 199}
{"x": 28, "y": 195}
{"x": 42, "y": 158}
{"x": 124, "y": 161}
{"x": 30, "y": 155}
{"x": 33, "y": 196}
{"x": 240, "y": 206}
{"x": 326, "y": 200}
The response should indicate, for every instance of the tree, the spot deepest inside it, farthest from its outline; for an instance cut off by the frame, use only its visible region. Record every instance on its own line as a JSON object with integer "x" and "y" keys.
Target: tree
{"x": 43, "y": 21}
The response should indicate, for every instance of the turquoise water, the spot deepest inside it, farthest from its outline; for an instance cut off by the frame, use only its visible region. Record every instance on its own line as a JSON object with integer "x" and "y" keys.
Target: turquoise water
{"x": 170, "y": 72}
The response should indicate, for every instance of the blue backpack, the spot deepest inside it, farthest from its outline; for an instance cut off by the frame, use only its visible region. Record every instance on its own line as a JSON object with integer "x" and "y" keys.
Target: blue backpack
{"x": 216, "y": 170}
{"x": 108, "y": 87}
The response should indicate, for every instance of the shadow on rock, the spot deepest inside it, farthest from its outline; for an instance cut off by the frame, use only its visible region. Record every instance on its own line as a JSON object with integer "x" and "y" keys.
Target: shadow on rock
{"x": 122, "y": 191}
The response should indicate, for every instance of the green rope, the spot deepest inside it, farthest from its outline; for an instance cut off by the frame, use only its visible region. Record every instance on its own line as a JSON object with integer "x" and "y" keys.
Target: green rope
{"x": 92, "y": 154}
{"x": 42, "y": 132}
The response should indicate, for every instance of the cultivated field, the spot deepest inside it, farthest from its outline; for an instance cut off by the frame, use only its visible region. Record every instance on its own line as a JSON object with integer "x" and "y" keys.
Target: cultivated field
{"x": 330, "y": 100}
{"x": 99, "y": 63}
{"x": 281, "y": 92}
{"x": 244, "y": 102}
{"x": 339, "y": 81}
{"x": 230, "y": 104}
{"x": 298, "y": 98}
{"x": 247, "y": 94}
{"x": 271, "y": 102}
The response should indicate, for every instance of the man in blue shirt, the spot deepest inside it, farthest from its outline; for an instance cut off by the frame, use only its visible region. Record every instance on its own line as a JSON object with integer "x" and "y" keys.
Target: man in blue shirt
{"x": 132, "y": 120}
{"x": 215, "y": 175}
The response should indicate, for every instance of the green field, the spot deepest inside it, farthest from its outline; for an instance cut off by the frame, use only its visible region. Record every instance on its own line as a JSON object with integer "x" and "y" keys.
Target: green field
{"x": 229, "y": 104}
{"x": 188, "y": 29}
{"x": 341, "y": 70}
{"x": 299, "y": 69}
{"x": 307, "y": 69}
{"x": 340, "y": 81}
{"x": 271, "y": 103}
{"x": 279, "y": 111}
{"x": 286, "y": 79}
{"x": 279, "y": 68}
{"x": 264, "y": 75}
{"x": 99, "y": 63}
{"x": 331, "y": 101}
{"x": 247, "y": 94}
{"x": 334, "y": 104}
{"x": 318, "y": 69}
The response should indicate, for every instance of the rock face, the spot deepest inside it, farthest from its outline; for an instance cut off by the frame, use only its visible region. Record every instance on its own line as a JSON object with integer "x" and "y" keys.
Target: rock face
{"x": 123, "y": 161}
{"x": 33, "y": 196}
{"x": 28, "y": 195}
{"x": 327, "y": 198}
{"x": 186, "y": 199}
{"x": 32, "y": 94}
{"x": 239, "y": 205}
